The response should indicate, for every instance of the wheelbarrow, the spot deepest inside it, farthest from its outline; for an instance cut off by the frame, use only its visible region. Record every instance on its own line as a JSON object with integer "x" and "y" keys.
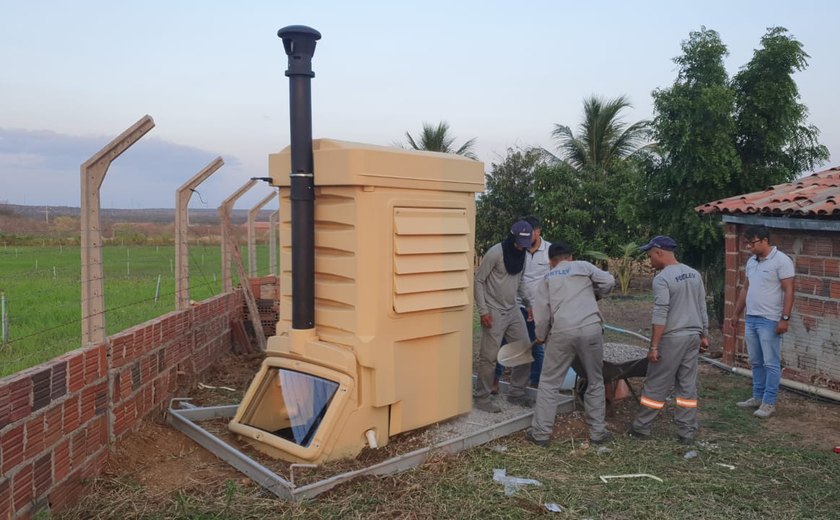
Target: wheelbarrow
{"x": 614, "y": 372}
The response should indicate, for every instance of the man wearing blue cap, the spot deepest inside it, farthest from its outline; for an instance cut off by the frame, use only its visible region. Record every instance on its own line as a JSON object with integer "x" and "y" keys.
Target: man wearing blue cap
{"x": 498, "y": 282}
{"x": 680, "y": 325}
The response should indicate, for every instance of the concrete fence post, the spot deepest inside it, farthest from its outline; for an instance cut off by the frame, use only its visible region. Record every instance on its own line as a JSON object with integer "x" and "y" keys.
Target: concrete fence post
{"x": 227, "y": 228}
{"x": 182, "y": 222}
{"x": 252, "y": 238}
{"x": 272, "y": 242}
{"x": 93, "y": 172}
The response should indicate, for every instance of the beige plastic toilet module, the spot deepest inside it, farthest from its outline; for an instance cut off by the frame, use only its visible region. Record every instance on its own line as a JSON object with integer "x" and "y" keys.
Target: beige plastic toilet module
{"x": 391, "y": 349}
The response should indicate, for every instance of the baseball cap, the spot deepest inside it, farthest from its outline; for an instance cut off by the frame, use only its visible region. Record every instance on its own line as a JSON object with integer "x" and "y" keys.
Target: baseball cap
{"x": 522, "y": 232}
{"x": 661, "y": 242}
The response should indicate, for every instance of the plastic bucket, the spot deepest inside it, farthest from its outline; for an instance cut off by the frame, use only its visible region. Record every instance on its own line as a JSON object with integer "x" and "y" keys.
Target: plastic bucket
{"x": 515, "y": 354}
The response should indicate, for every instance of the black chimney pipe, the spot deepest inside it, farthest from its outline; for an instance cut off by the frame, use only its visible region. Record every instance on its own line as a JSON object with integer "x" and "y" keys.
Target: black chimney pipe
{"x": 299, "y": 42}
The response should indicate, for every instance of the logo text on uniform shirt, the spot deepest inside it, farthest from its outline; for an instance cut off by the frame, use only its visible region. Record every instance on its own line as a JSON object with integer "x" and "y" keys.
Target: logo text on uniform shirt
{"x": 684, "y": 276}
{"x": 558, "y": 272}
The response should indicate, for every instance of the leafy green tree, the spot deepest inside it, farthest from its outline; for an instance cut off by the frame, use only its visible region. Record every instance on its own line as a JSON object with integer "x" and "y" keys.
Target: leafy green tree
{"x": 438, "y": 139}
{"x": 718, "y": 138}
{"x": 694, "y": 129}
{"x": 603, "y": 137}
{"x": 774, "y": 141}
{"x": 584, "y": 207}
{"x": 508, "y": 195}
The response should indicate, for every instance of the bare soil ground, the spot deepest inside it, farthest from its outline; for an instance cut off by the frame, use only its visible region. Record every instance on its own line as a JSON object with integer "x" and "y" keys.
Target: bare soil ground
{"x": 162, "y": 463}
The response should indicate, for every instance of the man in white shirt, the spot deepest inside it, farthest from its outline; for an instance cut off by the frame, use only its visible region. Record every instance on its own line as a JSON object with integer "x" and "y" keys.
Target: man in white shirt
{"x": 768, "y": 298}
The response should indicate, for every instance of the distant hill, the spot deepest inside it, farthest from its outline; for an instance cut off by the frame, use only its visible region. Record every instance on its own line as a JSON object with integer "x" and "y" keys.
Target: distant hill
{"x": 151, "y": 215}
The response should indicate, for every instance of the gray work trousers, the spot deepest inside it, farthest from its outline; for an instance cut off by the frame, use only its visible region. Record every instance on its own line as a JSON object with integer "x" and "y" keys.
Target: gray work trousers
{"x": 509, "y": 325}
{"x": 587, "y": 343}
{"x": 677, "y": 367}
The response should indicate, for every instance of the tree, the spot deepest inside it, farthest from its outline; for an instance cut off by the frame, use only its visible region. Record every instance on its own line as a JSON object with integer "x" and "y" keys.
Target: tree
{"x": 694, "y": 129}
{"x": 509, "y": 195}
{"x": 718, "y": 138}
{"x": 602, "y": 137}
{"x": 437, "y": 139}
{"x": 585, "y": 210}
{"x": 774, "y": 141}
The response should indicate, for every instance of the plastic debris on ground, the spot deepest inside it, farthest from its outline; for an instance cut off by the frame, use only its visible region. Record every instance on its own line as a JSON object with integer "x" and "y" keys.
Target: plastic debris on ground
{"x": 604, "y": 478}
{"x": 728, "y": 466}
{"x": 511, "y": 484}
{"x": 500, "y": 449}
{"x": 603, "y": 450}
{"x": 553, "y": 508}
{"x": 690, "y": 455}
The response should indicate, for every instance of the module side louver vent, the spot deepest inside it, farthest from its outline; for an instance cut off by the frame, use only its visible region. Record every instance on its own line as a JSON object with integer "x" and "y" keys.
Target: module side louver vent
{"x": 431, "y": 259}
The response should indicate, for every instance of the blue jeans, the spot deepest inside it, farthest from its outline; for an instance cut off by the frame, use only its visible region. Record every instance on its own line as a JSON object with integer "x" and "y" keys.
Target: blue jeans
{"x": 765, "y": 348}
{"x": 538, "y": 351}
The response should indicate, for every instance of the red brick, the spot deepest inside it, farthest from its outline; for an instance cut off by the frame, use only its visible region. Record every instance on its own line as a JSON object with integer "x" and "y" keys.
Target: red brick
{"x": 5, "y": 498}
{"x": 67, "y": 493}
{"x": 91, "y": 365}
{"x": 834, "y": 290}
{"x": 34, "y": 437}
{"x": 5, "y": 397}
{"x": 22, "y": 486}
{"x": 61, "y": 460}
{"x": 53, "y": 426}
{"x": 831, "y": 267}
{"x": 78, "y": 445}
{"x": 12, "y": 443}
{"x": 76, "y": 373}
{"x": 816, "y": 245}
{"x": 20, "y": 394}
{"x": 71, "y": 415}
{"x": 808, "y": 285}
{"x": 43, "y": 474}
{"x": 121, "y": 348}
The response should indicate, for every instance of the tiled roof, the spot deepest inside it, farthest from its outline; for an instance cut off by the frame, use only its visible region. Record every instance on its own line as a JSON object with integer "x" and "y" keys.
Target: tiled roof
{"x": 816, "y": 195}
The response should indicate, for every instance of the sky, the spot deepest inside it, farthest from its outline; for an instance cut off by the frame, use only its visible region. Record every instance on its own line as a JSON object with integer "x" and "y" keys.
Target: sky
{"x": 74, "y": 75}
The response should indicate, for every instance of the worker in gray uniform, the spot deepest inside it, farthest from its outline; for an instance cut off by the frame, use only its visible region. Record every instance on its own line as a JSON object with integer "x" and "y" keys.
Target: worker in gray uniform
{"x": 569, "y": 322}
{"x": 680, "y": 325}
{"x": 498, "y": 281}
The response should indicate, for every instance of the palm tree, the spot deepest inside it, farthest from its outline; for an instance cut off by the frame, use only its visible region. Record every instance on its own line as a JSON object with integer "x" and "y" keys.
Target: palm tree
{"x": 602, "y": 136}
{"x": 437, "y": 139}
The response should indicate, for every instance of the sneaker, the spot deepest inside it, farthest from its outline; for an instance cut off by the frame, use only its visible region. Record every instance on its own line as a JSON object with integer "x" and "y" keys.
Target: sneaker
{"x": 494, "y": 390}
{"x": 487, "y": 406}
{"x": 529, "y": 436}
{"x": 632, "y": 432}
{"x": 608, "y": 437}
{"x": 685, "y": 441}
{"x": 752, "y": 402}
{"x": 521, "y": 400}
{"x": 765, "y": 411}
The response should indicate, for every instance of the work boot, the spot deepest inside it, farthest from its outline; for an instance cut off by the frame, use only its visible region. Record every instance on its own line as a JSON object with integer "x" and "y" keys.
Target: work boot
{"x": 685, "y": 441}
{"x": 632, "y": 432}
{"x": 752, "y": 402}
{"x": 765, "y": 410}
{"x": 487, "y": 406}
{"x": 521, "y": 400}
{"x": 529, "y": 436}
{"x": 608, "y": 437}
{"x": 494, "y": 389}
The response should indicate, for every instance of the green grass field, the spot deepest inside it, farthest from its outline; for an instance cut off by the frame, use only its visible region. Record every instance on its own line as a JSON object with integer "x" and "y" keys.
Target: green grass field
{"x": 43, "y": 292}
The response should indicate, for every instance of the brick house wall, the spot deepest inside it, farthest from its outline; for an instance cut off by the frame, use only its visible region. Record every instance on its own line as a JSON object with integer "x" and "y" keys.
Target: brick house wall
{"x": 60, "y": 420}
{"x": 811, "y": 347}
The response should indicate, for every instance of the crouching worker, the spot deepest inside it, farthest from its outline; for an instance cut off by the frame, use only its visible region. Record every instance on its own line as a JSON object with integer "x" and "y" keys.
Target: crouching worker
{"x": 680, "y": 324}
{"x": 569, "y": 323}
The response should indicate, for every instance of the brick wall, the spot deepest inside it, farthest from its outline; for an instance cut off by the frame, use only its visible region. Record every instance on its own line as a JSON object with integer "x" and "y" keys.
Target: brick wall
{"x": 59, "y": 420}
{"x": 811, "y": 348}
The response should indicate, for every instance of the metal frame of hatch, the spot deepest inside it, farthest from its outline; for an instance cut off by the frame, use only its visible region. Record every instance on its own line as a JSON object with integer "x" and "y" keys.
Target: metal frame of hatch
{"x": 186, "y": 417}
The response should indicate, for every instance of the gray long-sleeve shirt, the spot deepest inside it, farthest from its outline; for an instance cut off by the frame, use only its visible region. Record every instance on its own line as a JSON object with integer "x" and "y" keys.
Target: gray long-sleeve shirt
{"x": 495, "y": 288}
{"x": 679, "y": 301}
{"x": 566, "y": 297}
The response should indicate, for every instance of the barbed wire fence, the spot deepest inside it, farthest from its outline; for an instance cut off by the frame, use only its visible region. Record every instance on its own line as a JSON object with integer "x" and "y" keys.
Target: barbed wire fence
{"x": 41, "y": 303}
